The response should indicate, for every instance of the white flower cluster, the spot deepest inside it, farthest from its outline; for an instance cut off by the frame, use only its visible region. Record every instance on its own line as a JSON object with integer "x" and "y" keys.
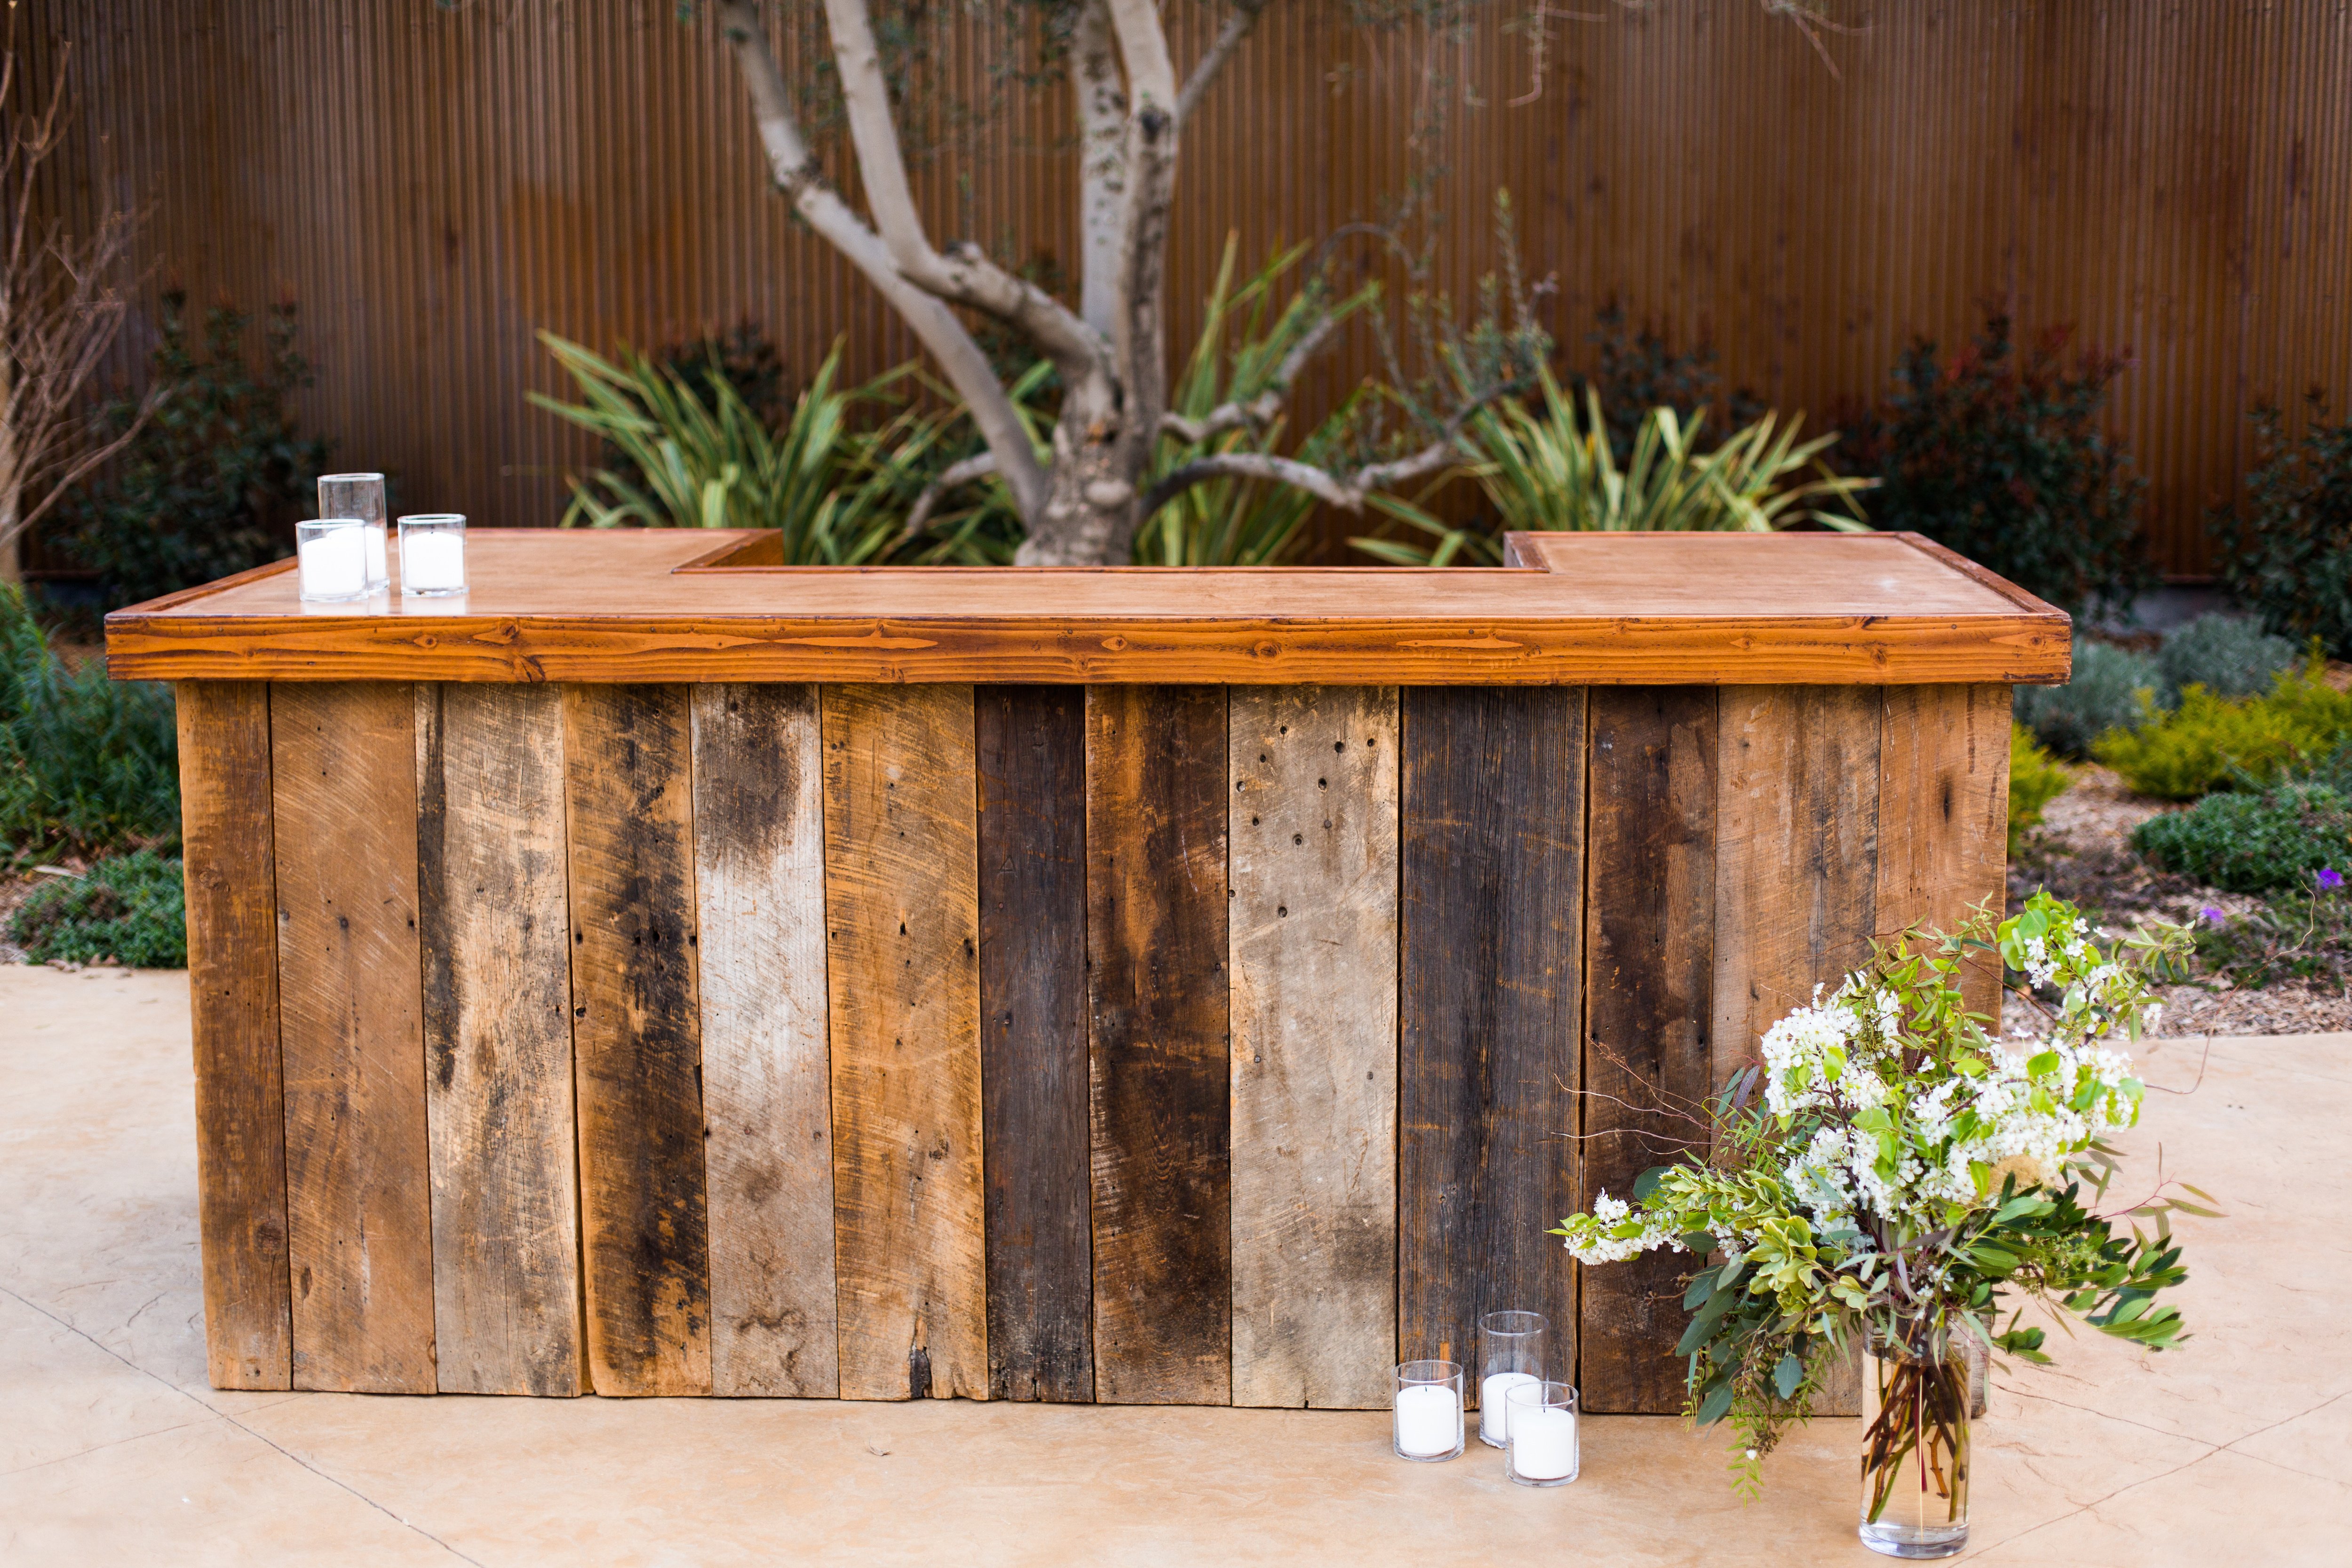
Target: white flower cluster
{"x": 1612, "y": 1232}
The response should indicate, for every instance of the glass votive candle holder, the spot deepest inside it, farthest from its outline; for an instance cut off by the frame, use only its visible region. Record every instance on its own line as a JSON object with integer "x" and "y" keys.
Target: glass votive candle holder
{"x": 1428, "y": 1410}
{"x": 1542, "y": 1451}
{"x": 330, "y": 559}
{"x": 360, "y": 495}
{"x": 1510, "y": 1355}
{"x": 433, "y": 554}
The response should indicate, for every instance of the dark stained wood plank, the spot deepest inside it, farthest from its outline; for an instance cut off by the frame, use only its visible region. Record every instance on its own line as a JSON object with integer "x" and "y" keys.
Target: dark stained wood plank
{"x": 1491, "y": 943}
{"x": 1155, "y": 945}
{"x": 358, "y": 1185}
{"x": 1033, "y": 1040}
{"x": 226, "y": 838}
{"x": 498, "y": 1039}
{"x": 1943, "y": 816}
{"x": 1650, "y": 959}
{"x": 902, "y": 920}
{"x": 759, "y": 848}
{"x": 1314, "y": 849}
{"x": 636, "y": 1038}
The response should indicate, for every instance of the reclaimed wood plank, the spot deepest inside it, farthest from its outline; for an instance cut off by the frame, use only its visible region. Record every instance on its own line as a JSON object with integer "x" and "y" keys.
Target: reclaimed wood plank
{"x": 226, "y": 852}
{"x": 494, "y": 924}
{"x": 1313, "y": 830}
{"x": 902, "y": 923}
{"x": 1943, "y": 816}
{"x": 358, "y": 1185}
{"x": 1650, "y": 853}
{"x": 636, "y": 1038}
{"x": 1157, "y": 1069}
{"x": 1490, "y": 954}
{"x": 1033, "y": 998}
{"x": 759, "y": 837}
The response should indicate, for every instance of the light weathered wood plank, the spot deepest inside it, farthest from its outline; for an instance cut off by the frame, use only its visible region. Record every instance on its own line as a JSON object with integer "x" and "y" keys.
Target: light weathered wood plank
{"x": 225, "y": 837}
{"x": 1650, "y": 877}
{"x": 1160, "y": 1097}
{"x": 358, "y": 1187}
{"x": 1033, "y": 998}
{"x": 497, "y": 1038}
{"x": 1492, "y": 923}
{"x": 1943, "y": 816}
{"x": 759, "y": 851}
{"x": 636, "y": 1038}
{"x": 903, "y": 924}
{"x": 1313, "y": 825}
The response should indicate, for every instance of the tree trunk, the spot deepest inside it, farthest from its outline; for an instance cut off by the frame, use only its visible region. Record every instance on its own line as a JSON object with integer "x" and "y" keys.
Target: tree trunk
{"x": 1089, "y": 518}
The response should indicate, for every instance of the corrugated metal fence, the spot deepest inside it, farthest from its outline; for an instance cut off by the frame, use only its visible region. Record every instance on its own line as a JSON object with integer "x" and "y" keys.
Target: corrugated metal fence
{"x": 433, "y": 183}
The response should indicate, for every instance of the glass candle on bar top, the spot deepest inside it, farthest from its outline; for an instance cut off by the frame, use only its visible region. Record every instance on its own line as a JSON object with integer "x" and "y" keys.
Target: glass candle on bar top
{"x": 1428, "y": 1410}
{"x": 360, "y": 495}
{"x": 1542, "y": 1450}
{"x": 330, "y": 559}
{"x": 433, "y": 554}
{"x": 1510, "y": 1355}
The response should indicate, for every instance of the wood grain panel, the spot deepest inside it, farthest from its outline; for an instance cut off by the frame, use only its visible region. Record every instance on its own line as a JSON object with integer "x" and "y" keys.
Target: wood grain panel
{"x": 636, "y": 1037}
{"x": 1033, "y": 998}
{"x": 226, "y": 854}
{"x": 1650, "y": 877}
{"x": 1943, "y": 815}
{"x": 1156, "y": 944}
{"x": 498, "y": 1039}
{"x": 358, "y": 1186}
{"x": 1492, "y": 855}
{"x": 759, "y": 853}
{"x": 1313, "y": 829}
{"x": 903, "y": 925}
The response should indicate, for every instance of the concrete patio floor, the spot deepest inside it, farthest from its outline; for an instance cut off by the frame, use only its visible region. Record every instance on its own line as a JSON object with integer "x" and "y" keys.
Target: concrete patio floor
{"x": 2235, "y": 1448}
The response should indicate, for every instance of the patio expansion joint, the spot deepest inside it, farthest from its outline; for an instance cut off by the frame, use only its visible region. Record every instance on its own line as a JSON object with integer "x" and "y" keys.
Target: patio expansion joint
{"x": 218, "y": 1414}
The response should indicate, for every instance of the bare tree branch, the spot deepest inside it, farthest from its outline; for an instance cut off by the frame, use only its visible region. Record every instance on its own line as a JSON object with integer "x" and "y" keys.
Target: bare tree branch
{"x": 1102, "y": 166}
{"x": 1204, "y": 71}
{"x": 1260, "y": 411}
{"x": 953, "y": 475}
{"x": 1152, "y": 151}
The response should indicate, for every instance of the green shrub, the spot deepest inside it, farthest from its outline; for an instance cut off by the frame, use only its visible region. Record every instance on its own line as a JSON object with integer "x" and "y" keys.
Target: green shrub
{"x": 2105, "y": 694}
{"x": 2036, "y": 779}
{"x": 1635, "y": 370}
{"x": 2305, "y": 935}
{"x": 2213, "y": 742}
{"x": 86, "y": 763}
{"x": 2229, "y": 655}
{"x": 131, "y": 910}
{"x": 2253, "y": 842}
{"x": 2287, "y": 554}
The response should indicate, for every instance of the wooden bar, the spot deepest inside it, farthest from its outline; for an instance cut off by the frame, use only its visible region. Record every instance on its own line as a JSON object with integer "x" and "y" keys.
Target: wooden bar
{"x": 1943, "y": 817}
{"x": 1155, "y": 945}
{"x": 228, "y": 854}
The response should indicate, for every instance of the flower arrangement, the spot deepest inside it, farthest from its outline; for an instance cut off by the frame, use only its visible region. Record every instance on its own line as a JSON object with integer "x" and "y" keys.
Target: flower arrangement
{"x": 1891, "y": 1174}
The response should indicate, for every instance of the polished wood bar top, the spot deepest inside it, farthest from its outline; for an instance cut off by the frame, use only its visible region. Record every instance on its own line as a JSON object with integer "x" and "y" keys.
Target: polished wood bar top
{"x": 1572, "y": 609}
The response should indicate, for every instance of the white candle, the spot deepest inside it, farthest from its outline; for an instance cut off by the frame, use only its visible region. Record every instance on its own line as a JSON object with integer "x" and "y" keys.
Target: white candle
{"x": 1494, "y": 1416}
{"x": 1428, "y": 1420}
{"x": 377, "y": 576}
{"x": 1543, "y": 1443}
{"x": 333, "y": 565}
{"x": 432, "y": 561}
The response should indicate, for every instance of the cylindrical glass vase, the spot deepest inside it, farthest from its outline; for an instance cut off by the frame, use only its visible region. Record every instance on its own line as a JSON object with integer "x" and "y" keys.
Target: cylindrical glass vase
{"x": 1510, "y": 1355}
{"x": 1428, "y": 1425}
{"x": 330, "y": 560}
{"x": 360, "y": 495}
{"x": 1543, "y": 1448}
{"x": 1916, "y": 1391}
{"x": 431, "y": 555}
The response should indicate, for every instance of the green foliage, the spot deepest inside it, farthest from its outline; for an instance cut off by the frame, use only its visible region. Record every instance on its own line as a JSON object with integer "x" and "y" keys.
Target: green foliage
{"x": 2253, "y": 842}
{"x": 2213, "y": 742}
{"x": 2229, "y": 655}
{"x": 2305, "y": 935}
{"x": 2111, "y": 689}
{"x": 2287, "y": 554}
{"x": 2036, "y": 779}
{"x": 2002, "y": 459}
{"x": 1635, "y": 370}
{"x": 85, "y": 762}
{"x": 130, "y": 910}
{"x": 210, "y": 484}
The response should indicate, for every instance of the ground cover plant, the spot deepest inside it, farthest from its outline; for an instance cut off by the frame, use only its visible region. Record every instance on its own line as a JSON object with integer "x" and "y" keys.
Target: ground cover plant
{"x": 2229, "y": 655}
{"x": 2210, "y": 742}
{"x": 128, "y": 910}
{"x": 2261, "y": 841}
{"x": 2304, "y": 936}
{"x": 86, "y": 764}
{"x": 2285, "y": 551}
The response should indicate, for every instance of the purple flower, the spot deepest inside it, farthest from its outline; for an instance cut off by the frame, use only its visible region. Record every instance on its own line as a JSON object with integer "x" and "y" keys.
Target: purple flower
{"x": 2330, "y": 877}
{"x": 2213, "y": 916}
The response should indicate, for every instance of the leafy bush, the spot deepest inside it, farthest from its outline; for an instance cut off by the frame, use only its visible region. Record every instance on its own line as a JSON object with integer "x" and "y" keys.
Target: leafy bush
{"x": 2229, "y": 655}
{"x": 211, "y": 485}
{"x": 2105, "y": 693}
{"x": 2036, "y": 779}
{"x": 131, "y": 910}
{"x": 2305, "y": 935}
{"x": 1636, "y": 370}
{"x": 85, "y": 762}
{"x": 2215, "y": 742}
{"x": 2287, "y": 553}
{"x": 2253, "y": 842}
{"x": 2002, "y": 459}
